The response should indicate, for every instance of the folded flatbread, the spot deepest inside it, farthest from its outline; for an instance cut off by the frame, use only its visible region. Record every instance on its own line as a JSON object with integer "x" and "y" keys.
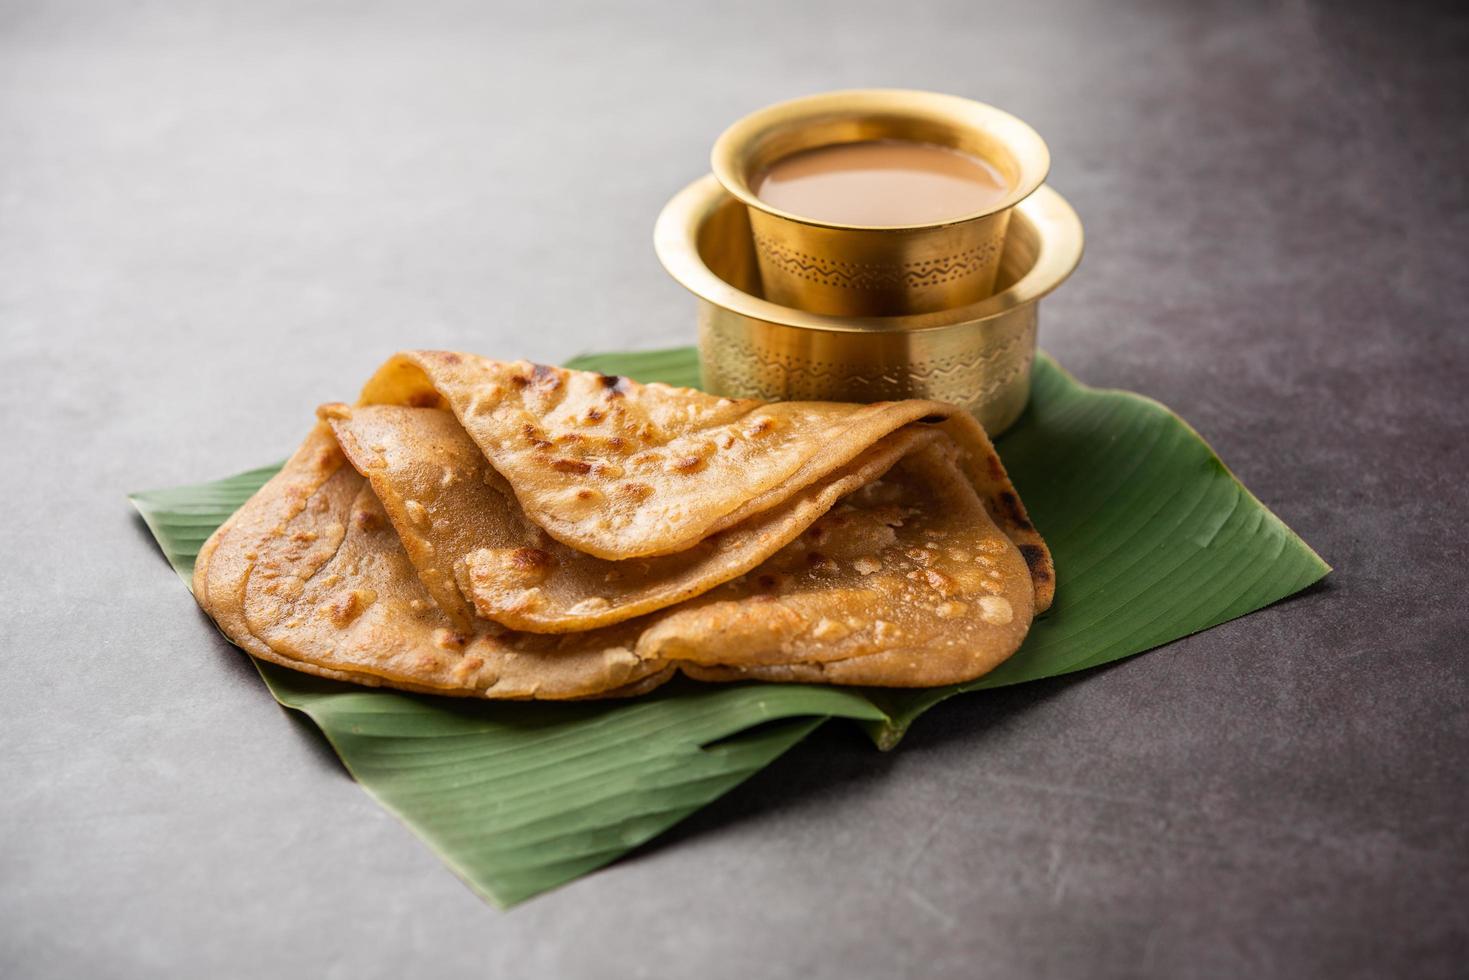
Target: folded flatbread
{"x": 510, "y": 530}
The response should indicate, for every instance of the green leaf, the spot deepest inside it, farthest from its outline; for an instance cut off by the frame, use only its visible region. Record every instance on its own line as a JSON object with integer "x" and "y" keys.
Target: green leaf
{"x": 674, "y": 366}
{"x": 1153, "y": 539}
{"x": 520, "y": 797}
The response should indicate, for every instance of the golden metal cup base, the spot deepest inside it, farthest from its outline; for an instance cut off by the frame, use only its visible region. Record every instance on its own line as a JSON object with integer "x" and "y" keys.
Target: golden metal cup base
{"x": 978, "y": 356}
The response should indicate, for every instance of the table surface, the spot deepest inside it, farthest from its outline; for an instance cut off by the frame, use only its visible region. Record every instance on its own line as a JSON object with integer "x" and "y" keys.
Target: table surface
{"x": 215, "y": 216}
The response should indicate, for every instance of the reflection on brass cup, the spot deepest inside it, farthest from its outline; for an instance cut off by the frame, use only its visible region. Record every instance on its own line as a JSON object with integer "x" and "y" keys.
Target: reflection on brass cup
{"x": 978, "y": 356}
{"x": 855, "y": 270}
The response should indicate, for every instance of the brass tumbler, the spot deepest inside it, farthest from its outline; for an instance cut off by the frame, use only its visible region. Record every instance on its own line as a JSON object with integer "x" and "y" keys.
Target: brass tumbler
{"x": 869, "y": 271}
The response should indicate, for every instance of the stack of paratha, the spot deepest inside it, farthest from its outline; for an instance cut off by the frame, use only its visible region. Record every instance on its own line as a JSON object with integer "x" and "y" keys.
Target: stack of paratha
{"x": 503, "y": 530}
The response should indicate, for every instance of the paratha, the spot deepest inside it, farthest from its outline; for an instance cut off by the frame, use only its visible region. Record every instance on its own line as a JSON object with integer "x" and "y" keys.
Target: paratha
{"x": 395, "y": 548}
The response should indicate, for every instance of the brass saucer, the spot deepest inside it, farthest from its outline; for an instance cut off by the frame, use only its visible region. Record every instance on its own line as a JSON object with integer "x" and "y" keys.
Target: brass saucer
{"x": 978, "y": 356}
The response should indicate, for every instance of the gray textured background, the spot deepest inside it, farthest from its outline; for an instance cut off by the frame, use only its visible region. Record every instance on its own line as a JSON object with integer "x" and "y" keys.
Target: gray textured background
{"x": 214, "y": 216}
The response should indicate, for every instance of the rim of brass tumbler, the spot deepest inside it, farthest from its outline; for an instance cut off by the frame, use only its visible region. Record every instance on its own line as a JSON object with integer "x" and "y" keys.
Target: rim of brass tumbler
{"x": 879, "y": 270}
{"x": 978, "y": 356}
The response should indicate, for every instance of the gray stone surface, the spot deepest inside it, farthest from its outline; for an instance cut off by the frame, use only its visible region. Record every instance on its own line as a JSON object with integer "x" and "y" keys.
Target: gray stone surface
{"x": 215, "y": 215}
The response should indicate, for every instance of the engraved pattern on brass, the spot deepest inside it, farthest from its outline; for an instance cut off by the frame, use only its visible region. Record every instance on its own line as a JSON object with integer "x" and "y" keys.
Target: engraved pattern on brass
{"x": 990, "y": 378}
{"x": 981, "y": 260}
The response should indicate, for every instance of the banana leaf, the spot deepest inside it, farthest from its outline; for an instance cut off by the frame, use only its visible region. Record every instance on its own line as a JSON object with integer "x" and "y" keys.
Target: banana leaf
{"x": 1153, "y": 537}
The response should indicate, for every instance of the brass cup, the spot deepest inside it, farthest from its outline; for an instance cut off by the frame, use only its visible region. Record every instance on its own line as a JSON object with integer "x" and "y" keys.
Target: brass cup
{"x": 978, "y": 356}
{"x": 855, "y": 270}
